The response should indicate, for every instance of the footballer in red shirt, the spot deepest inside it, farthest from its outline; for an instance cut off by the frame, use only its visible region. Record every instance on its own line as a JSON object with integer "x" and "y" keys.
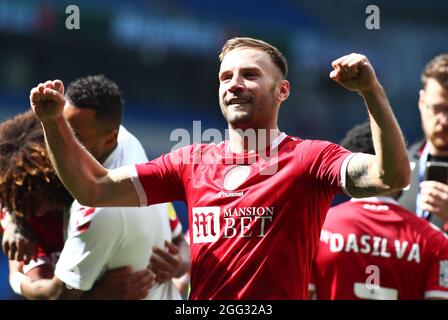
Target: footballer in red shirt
{"x": 257, "y": 201}
{"x": 375, "y": 249}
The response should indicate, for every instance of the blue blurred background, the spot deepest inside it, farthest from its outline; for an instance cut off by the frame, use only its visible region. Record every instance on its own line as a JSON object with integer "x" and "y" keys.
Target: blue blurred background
{"x": 164, "y": 56}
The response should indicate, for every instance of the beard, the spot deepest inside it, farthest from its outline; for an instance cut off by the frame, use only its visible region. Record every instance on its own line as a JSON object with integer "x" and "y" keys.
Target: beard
{"x": 439, "y": 139}
{"x": 436, "y": 134}
{"x": 440, "y": 144}
{"x": 256, "y": 113}
{"x": 241, "y": 118}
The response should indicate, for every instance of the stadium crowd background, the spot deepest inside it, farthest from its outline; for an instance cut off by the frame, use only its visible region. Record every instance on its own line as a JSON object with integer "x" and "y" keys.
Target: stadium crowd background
{"x": 164, "y": 56}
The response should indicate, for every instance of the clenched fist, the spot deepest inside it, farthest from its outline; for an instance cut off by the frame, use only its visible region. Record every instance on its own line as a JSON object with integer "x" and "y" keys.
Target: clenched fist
{"x": 354, "y": 72}
{"x": 47, "y": 100}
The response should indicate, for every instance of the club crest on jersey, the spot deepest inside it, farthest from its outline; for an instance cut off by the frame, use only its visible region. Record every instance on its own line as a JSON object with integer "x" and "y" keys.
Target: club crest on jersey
{"x": 236, "y": 176}
{"x": 205, "y": 224}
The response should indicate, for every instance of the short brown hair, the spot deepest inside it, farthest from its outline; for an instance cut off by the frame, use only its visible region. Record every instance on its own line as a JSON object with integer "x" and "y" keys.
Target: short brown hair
{"x": 277, "y": 57}
{"x": 436, "y": 68}
{"x": 26, "y": 173}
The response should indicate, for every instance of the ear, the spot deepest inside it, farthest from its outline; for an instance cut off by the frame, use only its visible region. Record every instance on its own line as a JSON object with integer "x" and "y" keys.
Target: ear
{"x": 111, "y": 140}
{"x": 421, "y": 99}
{"x": 282, "y": 91}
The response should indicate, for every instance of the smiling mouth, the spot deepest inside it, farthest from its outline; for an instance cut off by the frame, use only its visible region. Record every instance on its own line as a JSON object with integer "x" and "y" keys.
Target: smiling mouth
{"x": 239, "y": 106}
{"x": 441, "y": 133}
{"x": 236, "y": 102}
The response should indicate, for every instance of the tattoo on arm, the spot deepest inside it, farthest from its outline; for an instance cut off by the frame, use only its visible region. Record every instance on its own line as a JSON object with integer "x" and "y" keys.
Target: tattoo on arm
{"x": 360, "y": 180}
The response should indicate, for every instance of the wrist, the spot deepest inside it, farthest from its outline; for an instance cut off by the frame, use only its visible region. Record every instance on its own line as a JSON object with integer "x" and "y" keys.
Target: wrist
{"x": 372, "y": 89}
{"x": 52, "y": 120}
{"x": 16, "y": 280}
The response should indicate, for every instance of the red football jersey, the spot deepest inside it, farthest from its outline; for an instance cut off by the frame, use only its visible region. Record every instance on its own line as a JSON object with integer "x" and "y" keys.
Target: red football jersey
{"x": 375, "y": 249}
{"x": 48, "y": 231}
{"x": 254, "y": 219}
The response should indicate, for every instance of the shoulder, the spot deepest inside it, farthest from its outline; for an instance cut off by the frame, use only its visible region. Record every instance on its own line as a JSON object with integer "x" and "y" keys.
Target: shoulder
{"x": 434, "y": 239}
{"x": 124, "y": 134}
{"x": 437, "y": 234}
{"x": 424, "y": 229}
{"x": 318, "y": 152}
{"x": 316, "y": 145}
{"x": 131, "y": 146}
{"x": 83, "y": 219}
{"x": 194, "y": 153}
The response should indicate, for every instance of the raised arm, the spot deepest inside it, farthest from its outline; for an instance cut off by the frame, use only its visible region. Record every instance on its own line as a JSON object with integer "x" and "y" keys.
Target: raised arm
{"x": 86, "y": 179}
{"x": 389, "y": 169}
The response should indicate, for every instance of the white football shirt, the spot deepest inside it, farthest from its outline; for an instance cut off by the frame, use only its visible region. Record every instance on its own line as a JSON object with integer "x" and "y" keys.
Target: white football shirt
{"x": 100, "y": 239}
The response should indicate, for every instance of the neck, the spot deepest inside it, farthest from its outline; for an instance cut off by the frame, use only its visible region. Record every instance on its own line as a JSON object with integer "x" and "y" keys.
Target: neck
{"x": 251, "y": 140}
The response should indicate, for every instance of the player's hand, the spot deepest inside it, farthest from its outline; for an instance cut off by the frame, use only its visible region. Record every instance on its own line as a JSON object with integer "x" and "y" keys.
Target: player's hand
{"x": 47, "y": 100}
{"x": 167, "y": 263}
{"x": 18, "y": 244}
{"x": 354, "y": 72}
{"x": 434, "y": 198}
{"x": 122, "y": 284}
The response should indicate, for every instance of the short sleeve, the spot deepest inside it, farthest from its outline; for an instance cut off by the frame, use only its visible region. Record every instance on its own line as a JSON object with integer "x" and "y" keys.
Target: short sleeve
{"x": 88, "y": 248}
{"x": 437, "y": 280}
{"x": 326, "y": 162}
{"x": 162, "y": 179}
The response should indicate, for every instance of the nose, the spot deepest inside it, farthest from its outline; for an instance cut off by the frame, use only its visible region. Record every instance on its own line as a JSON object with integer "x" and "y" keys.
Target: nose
{"x": 443, "y": 118}
{"x": 236, "y": 84}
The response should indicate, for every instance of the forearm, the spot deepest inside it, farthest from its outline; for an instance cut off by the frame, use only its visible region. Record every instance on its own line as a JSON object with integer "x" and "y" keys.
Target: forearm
{"x": 392, "y": 165}
{"x": 44, "y": 289}
{"x": 78, "y": 170}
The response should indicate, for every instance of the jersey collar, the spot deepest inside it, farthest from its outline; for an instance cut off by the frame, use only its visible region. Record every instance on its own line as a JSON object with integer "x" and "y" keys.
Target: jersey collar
{"x": 382, "y": 199}
{"x": 277, "y": 141}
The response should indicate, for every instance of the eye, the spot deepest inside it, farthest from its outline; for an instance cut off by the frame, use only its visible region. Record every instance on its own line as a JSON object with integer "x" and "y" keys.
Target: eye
{"x": 439, "y": 109}
{"x": 226, "y": 76}
{"x": 250, "y": 75}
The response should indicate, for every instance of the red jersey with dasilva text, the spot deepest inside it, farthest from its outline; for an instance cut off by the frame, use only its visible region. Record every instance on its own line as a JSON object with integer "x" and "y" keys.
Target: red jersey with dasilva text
{"x": 375, "y": 249}
{"x": 254, "y": 219}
